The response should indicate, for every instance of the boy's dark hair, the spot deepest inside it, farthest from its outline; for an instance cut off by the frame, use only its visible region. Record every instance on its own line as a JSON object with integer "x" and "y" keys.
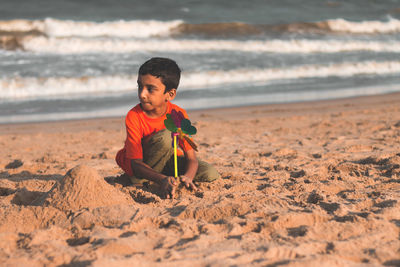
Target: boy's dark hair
{"x": 164, "y": 68}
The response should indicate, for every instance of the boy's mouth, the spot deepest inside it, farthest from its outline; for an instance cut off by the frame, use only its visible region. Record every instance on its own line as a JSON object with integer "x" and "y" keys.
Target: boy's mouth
{"x": 145, "y": 103}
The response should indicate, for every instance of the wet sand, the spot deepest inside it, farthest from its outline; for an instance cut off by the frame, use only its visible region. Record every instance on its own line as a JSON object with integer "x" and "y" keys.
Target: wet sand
{"x": 303, "y": 184}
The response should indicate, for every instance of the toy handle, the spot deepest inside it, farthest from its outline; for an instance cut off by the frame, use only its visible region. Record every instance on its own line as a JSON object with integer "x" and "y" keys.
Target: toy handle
{"x": 175, "y": 155}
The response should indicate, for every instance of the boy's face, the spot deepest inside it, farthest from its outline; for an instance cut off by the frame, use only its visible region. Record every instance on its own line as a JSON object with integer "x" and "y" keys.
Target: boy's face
{"x": 151, "y": 94}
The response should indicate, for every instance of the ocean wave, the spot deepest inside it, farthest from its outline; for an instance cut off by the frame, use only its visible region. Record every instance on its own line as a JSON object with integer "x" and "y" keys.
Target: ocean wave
{"x": 12, "y": 89}
{"x": 68, "y": 28}
{"x": 39, "y": 88}
{"x": 80, "y": 45}
{"x": 348, "y": 69}
{"x": 341, "y": 25}
{"x": 149, "y": 28}
{"x": 328, "y": 26}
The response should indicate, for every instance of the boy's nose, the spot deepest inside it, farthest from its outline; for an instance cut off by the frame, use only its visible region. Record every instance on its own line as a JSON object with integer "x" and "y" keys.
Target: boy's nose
{"x": 142, "y": 93}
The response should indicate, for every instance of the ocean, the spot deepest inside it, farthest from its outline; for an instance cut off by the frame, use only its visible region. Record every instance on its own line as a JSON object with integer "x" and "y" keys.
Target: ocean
{"x": 74, "y": 59}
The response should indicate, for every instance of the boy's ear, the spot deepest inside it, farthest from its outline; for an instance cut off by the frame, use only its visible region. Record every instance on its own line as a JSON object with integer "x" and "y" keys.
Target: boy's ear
{"x": 171, "y": 94}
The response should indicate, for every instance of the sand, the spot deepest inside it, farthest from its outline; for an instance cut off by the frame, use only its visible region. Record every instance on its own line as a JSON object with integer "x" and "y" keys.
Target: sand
{"x": 306, "y": 184}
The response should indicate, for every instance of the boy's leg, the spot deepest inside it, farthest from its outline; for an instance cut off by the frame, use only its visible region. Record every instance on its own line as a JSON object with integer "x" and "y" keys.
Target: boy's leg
{"x": 205, "y": 172}
{"x": 156, "y": 152}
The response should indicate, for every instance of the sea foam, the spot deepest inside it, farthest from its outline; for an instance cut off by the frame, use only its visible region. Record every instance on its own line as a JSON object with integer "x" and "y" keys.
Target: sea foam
{"x": 12, "y": 89}
{"x": 67, "y": 28}
{"x": 147, "y": 28}
{"x": 342, "y": 25}
{"x": 82, "y": 45}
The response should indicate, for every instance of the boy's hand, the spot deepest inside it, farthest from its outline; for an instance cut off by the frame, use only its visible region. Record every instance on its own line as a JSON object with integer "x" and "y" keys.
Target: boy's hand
{"x": 168, "y": 186}
{"x": 188, "y": 182}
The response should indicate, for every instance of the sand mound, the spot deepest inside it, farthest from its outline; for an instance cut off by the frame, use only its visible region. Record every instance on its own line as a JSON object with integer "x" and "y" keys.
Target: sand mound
{"x": 83, "y": 187}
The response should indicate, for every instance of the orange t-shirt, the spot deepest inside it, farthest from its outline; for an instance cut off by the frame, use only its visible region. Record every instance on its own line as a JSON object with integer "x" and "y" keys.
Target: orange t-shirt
{"x": 139, "y": 126}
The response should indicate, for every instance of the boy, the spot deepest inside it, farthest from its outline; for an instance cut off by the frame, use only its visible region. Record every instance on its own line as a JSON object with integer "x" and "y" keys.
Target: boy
{"x": 148, "y": 153}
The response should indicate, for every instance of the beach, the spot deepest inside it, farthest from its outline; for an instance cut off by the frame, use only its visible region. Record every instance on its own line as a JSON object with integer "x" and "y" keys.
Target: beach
{"x": 303, "y": 184}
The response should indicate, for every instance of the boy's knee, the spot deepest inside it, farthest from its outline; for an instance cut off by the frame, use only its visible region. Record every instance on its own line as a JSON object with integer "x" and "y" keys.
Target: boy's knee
{"x": 157, "y": 150}
{"x": 206, "y": 173}
{"x": 158, "y": 144}
{"x": 161, "y": 139}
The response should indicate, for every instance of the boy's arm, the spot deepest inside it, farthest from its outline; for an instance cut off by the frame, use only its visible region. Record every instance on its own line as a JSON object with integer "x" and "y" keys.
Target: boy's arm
{"x": 142, "y": 170}
{"x": 191, "y": 169}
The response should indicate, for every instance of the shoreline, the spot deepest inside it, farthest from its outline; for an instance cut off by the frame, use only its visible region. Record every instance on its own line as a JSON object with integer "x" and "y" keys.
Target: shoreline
{"x": 278, "y": 109}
